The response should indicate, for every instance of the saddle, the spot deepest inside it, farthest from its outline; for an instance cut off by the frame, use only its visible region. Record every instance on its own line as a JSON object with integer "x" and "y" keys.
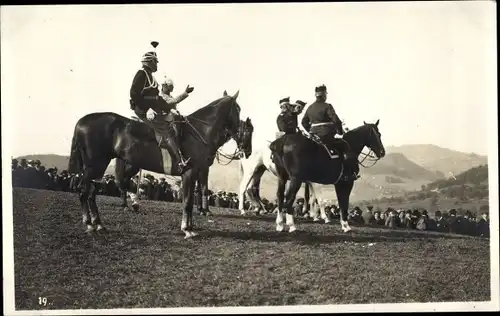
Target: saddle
{"x": 331, "y": 149}
{"x": 142, "y": 129}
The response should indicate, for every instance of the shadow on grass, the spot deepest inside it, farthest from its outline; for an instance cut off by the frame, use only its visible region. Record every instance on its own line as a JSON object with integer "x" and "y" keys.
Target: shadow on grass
{"x": 311, "y": 238}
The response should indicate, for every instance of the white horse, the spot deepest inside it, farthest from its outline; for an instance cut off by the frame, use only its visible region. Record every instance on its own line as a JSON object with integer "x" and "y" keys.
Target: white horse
{"x": 251, "y": 172}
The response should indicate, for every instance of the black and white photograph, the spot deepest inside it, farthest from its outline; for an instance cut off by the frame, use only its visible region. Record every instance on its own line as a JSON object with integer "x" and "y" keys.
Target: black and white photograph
{"x": 239, "y": 158}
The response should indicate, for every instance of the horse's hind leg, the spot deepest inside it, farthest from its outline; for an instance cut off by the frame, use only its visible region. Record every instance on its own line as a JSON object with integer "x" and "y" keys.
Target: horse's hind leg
{"x": 291, "y": 193}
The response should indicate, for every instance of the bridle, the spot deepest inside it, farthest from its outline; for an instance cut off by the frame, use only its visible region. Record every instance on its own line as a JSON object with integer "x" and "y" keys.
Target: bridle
{"x": 372, "y": 158}
{"x": 238, "y": 152}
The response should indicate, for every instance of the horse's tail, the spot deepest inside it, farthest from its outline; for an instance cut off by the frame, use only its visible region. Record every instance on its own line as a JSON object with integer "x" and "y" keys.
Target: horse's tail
{"x": 75, "y": 159}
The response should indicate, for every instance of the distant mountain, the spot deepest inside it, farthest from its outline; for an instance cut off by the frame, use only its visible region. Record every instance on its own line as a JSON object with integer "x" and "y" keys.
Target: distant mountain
{"x": 437, "y": 159}
{"x": 396, "y": 164}
{"x": 49, "y": 160}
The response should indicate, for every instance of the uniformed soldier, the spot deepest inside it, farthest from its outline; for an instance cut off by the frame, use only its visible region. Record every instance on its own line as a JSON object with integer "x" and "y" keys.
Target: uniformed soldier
{"x": 321, "y": 120}
{"x": 287, "y": 120}
{"x": 150, "y": 107}
{"x": 174, "y": 117}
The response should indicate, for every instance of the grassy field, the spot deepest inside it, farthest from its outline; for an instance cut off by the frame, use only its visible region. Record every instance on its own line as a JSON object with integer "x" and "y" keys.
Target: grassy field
{"x": 143, "y": 260}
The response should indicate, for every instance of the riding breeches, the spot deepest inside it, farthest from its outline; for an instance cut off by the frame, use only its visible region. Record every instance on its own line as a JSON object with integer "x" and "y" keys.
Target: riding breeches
{"x": 159, "y": 124}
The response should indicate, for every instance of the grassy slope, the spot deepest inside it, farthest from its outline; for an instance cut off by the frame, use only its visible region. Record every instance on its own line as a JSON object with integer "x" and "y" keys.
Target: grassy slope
{"x": 143, "y": 261}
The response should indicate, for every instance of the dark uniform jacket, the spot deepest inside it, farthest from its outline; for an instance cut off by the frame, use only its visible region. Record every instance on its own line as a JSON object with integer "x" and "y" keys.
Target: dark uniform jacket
{"x": 322, "y": 112}
{"x": 144, "y": 94}
{"x": 287, "y": 122}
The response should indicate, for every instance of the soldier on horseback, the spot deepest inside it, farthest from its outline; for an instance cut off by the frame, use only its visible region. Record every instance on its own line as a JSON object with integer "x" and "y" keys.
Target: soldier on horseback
{"x": 150, "y": 107}
{"x": 321, "y": 120}
{"x": 174, "y": 116}
{"x": 287, "y": 120}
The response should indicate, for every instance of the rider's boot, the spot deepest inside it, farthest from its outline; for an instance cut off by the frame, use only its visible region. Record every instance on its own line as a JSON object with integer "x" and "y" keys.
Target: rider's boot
{"x": 172, "y": 140}
{"x": 183, "y": 162}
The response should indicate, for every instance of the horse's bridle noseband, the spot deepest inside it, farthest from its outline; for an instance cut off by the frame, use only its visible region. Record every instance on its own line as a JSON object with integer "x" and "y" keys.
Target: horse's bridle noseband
{"x": 369, "y": 155}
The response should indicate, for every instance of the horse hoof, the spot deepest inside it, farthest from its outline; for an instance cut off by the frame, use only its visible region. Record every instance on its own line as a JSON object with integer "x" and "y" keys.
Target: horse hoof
{"x": 327, "y": 221}
{"x": 316, "y": 219}
{"x": 101, "y": 228}
{"x": 135, "y": 207}
{"x": 292, "y": 229}
{"x": 279, "y": 229}
{"x": 90, "y": 229}
{"x": 190, "y": 234}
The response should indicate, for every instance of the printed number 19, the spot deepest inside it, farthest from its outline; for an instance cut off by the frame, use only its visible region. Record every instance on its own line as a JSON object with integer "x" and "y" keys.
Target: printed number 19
{"x": 42, "y": 301}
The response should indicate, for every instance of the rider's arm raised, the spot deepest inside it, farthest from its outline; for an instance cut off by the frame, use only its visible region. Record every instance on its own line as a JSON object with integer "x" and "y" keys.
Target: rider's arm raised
{"x": 173, "y": 101}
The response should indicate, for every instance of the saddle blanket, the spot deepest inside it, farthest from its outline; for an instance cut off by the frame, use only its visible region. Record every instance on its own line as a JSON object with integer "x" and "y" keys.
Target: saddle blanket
{"x": 166, "y": 157}
{"x": 167, "y": 162}
{"x": 165, "y": 153}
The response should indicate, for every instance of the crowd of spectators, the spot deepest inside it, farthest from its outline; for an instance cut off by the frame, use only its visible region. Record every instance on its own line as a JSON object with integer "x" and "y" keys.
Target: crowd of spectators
{"x": 32, "y": 174}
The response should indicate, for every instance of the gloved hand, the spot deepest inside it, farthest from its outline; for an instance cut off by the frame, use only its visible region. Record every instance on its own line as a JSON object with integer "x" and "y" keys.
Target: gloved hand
{"x": 189, "y": 89}
{"x": 150, "y": 114}
{"x": 337, "y": 136}
{"x": 175, "y": 112}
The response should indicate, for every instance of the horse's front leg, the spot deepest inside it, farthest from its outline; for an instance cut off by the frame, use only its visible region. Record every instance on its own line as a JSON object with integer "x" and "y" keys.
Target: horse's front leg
{"x": 290, "y": 196}
{"x": 204, "y": 194}
{"x": 343, "y": 190}
{"x": 280, "y": 195}
{"x": 188, "y": 183}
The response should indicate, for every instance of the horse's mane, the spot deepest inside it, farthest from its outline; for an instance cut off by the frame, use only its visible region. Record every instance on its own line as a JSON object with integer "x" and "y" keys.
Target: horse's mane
{"x": 210, "y": 106}
{"x": 357, "y": 128}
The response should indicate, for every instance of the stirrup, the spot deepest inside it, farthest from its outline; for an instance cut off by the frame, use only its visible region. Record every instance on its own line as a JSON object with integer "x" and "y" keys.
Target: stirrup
{"x": 184, "y": 162}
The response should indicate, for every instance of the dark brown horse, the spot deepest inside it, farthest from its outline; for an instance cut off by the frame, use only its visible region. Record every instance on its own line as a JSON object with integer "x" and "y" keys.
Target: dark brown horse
{"x": 303, "y": 160}
{"x": 202, "y": 180}
{"x": 100, "y": 137}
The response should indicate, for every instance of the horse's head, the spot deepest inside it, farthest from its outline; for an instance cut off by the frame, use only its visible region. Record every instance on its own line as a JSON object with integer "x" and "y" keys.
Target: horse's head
{"x": 373, "y": 139}
{"x": 240, "y": 131}
{"x": 244, "y": 137}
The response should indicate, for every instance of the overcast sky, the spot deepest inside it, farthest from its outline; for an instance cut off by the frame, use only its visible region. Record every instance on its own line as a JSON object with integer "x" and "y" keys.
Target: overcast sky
{"x": 427, "y": 70}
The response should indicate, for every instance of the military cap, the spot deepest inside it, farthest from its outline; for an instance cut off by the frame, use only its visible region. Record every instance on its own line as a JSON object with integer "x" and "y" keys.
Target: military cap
{"x": 151, "y": 55}
{"x": 167, "y": 81}
{"x": 285, "y": 100}
{"x": 299, "y": 102}
{"x": 320, "y": 90}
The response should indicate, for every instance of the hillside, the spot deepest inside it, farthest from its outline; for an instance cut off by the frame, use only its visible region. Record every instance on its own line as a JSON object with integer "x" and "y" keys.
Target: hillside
{"x": 395, "y": 175}
{"x": 435, "y": 158}
{"x": 467, "y": 188}
{"x": 396, "y": 164}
